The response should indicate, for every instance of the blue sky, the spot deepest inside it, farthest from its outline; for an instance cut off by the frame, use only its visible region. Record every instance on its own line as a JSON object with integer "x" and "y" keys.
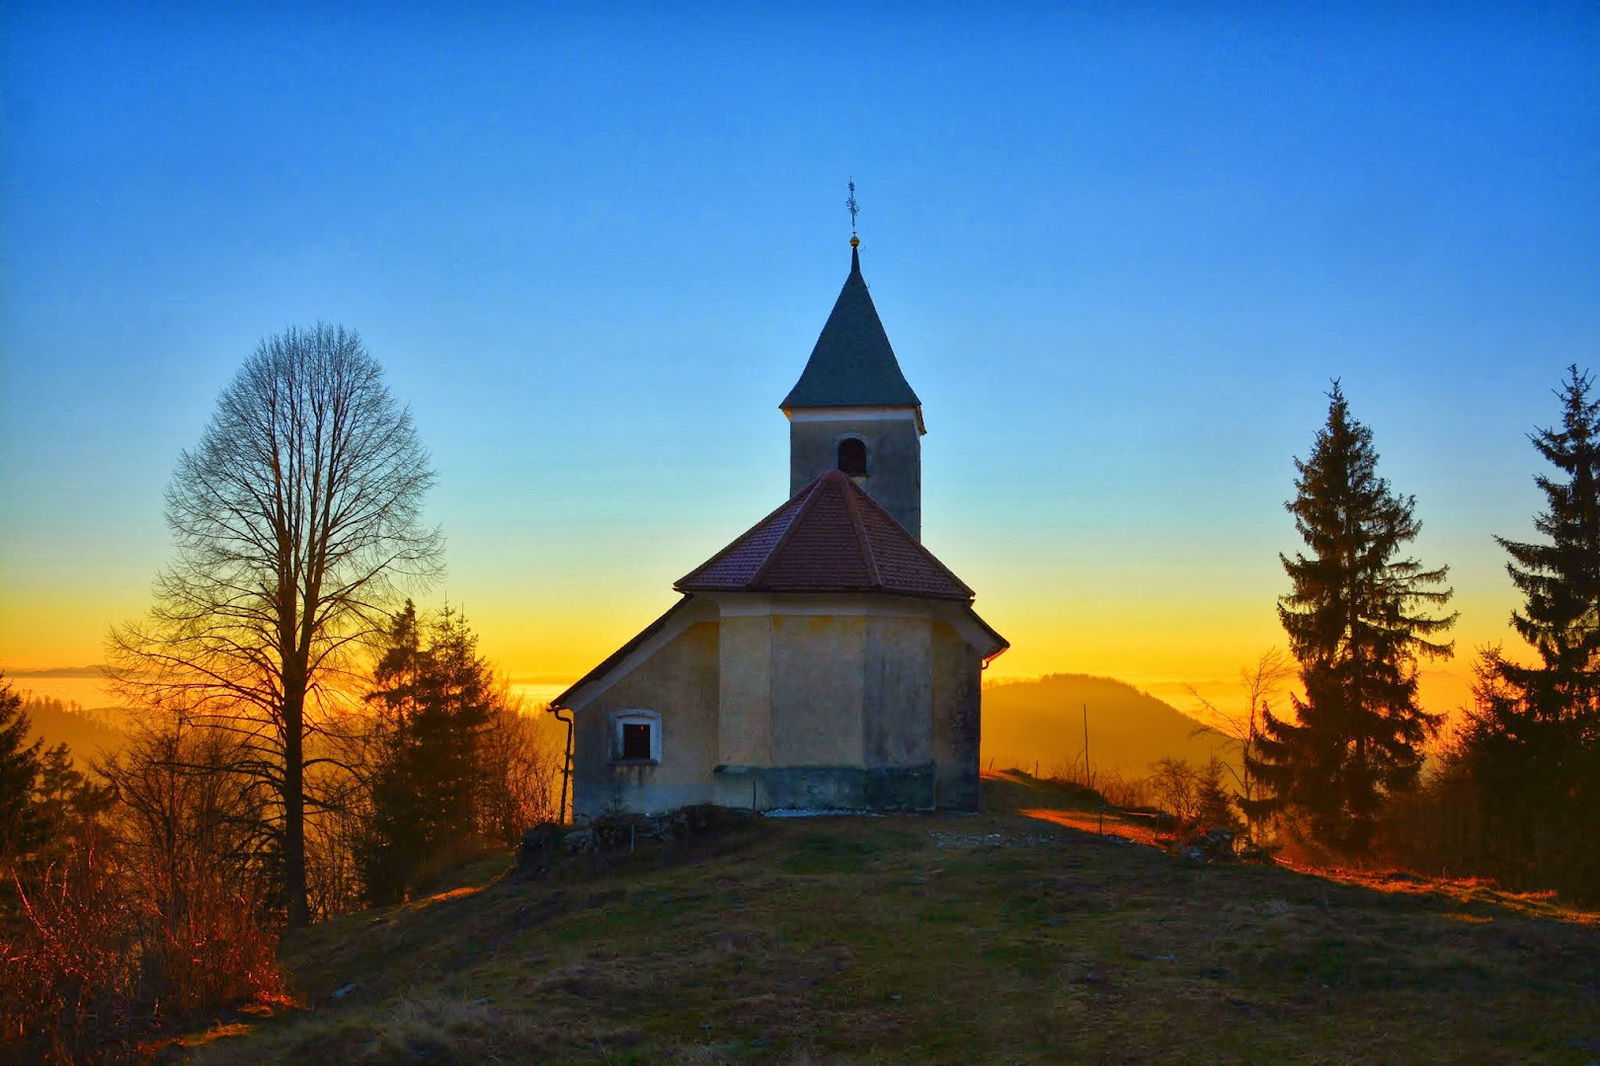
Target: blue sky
{"x": 1120, "y": 250}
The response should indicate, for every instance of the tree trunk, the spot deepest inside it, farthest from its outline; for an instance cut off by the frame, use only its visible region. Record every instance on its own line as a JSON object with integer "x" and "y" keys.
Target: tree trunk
{"x": 294, "y": 802}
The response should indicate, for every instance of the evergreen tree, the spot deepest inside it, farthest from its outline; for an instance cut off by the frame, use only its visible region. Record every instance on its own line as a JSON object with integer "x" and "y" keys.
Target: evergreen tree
{"x": 22, "y": 825}
{"x": 1212, "y": 807}
{"x": 1532, "y": 747}
{"x": 434, "y": 702}
{"x": 1560, "y": 580}
{"x": 68, "y": 802}
{"x": 1357, "y": 620}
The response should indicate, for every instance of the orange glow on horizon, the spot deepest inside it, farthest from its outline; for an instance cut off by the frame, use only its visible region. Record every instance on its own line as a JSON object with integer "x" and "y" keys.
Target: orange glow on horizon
{"x": 1161, "y": 646}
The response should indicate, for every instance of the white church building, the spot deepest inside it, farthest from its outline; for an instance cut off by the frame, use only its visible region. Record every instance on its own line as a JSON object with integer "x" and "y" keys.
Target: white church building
{"x": 822, "y": 659}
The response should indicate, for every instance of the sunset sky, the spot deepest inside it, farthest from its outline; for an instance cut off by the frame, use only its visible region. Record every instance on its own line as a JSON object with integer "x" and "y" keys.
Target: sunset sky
{"x": 1119, "y": 249}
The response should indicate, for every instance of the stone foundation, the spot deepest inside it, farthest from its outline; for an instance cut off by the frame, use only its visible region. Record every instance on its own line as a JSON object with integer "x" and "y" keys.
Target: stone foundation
{"x": 849, "y": 788}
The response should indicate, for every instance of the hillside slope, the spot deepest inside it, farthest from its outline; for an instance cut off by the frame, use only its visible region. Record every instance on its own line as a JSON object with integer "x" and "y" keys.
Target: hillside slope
{"x": 997, "y": 937}
{"x": 1042, "y": 720}
{"x": 90, "y": 735}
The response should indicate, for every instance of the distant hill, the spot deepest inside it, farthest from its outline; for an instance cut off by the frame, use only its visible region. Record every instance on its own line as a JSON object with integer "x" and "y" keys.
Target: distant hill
{"x": 61, "y": 671}
{"x": 90, "y": 734}
{"x": 1041, "y": 721}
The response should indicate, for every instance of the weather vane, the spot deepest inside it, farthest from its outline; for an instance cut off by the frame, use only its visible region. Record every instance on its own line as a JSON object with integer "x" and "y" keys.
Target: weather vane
{"x": 854, "y": 207}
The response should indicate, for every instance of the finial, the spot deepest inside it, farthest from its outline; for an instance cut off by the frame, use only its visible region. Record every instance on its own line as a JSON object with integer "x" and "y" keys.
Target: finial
{"x": 854, "y": 209}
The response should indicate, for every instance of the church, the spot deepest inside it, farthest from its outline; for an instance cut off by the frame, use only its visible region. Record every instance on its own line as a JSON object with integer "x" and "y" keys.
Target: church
{"x": 824, "y": 659}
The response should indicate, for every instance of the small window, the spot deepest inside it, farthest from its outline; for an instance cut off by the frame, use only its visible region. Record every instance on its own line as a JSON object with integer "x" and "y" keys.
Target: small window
{"x": 636, "y": 736}
{"x": 853, "y": 456}
{"x": 635, "y": 740}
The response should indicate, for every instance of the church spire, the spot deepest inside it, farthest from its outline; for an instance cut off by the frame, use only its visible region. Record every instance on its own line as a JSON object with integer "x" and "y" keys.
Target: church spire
{"x": 853, "y": 410}
{"x": 853, "y": 363}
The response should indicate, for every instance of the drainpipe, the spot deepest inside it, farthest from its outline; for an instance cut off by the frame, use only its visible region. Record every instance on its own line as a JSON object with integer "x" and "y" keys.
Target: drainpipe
{"x": 566, "y": 762}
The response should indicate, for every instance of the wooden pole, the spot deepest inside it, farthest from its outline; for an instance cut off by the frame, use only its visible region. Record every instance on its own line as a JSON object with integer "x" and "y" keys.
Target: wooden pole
{"x": 1088, "y": 770}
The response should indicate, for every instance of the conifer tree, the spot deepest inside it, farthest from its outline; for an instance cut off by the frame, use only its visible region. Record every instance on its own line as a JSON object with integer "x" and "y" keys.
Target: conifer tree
{"x": 434, "y": 701}
{"x": 1532, "y": 747}
{"x": 22, "y": 825}
{"x": 1357, "y": 620}
{"x": 1560, "y": 580}
{"x": 1212, "y": 807}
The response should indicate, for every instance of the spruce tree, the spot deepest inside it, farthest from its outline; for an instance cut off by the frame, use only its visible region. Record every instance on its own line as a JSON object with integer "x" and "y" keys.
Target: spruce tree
{"x": 22, "y": 825}
{"x": 434, "y": 702}
{"x": 1532, "y": 746}
{"x": 1357, "y": 620}
{"x": 1560, "y": 580}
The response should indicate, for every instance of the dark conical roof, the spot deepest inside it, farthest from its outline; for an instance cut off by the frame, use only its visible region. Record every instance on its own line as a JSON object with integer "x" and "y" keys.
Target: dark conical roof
{"x": 852, "y": 364}
{"x": 831, "y": 537}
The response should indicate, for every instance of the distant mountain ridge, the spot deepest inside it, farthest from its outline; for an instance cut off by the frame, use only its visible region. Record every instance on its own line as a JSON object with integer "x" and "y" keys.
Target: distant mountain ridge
{"x": 1042, "y": 721}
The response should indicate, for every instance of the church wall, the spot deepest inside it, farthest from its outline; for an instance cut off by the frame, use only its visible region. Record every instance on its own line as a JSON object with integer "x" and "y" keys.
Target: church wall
{"x": 894, "y": 460}
{"x": 817, "y": 668}
{"x": 680, "y": 683}
{"x": 898, "y": 692}
{"x": 957, "y": 694}
{"x": 795, "y": 702}
{"x": 745, "y": 730}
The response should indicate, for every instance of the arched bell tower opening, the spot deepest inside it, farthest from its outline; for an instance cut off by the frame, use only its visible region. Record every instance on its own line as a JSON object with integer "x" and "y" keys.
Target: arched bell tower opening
{"x": 853, "y": 410}
{"x": 853, "y": 456}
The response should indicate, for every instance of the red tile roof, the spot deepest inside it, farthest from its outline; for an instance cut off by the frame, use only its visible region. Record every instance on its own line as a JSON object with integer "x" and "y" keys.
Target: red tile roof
{"x": 831, "y": 537}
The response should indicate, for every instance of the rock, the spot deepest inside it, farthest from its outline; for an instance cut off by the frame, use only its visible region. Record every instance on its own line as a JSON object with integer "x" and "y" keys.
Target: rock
{"x": 542, "y": 845}
{"x": 1213, "y": 845}
{"x": 539, "y": 847}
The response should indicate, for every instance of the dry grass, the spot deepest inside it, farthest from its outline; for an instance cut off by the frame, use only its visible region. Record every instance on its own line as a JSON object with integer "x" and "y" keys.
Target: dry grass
{"x": 938, "y": 939}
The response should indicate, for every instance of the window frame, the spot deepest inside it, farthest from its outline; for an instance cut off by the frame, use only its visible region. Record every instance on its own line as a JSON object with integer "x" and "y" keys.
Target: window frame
{"x": 635, "y": 716}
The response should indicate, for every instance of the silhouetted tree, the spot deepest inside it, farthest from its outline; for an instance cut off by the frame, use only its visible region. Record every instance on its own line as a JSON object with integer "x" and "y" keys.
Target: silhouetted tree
{"x": 1172, "y": 781}
{"x": 22, "y": 824}
{"x": 522, "y": 755}
{"x": 1532, "y": 745}
{"x": 1560, "y": 580}
{"x": 1356, "y": 623}
{"x": 1212, "y": 807}
{"x": 294, "y": 518}
{"x": 435, "y": 701}
{"x": 1240, "y": 729}
{"x": 68, "y": 801}
{"x": 46, "y": 804}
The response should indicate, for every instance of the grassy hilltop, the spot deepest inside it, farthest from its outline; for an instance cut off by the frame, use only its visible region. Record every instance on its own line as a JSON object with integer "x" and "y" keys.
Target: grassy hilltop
{"x": 1002, "y": 937}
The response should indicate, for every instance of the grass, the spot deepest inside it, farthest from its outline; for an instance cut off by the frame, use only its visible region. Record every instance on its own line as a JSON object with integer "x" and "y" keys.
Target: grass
{"x": 999, "y": 937}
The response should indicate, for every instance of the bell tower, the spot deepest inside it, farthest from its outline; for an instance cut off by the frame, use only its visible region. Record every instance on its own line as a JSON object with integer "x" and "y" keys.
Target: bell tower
{"x": 852, "y": 409}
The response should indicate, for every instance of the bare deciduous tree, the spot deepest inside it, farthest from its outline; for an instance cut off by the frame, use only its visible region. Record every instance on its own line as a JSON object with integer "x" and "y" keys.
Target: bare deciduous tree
{"x": 524, "y": 755}
{"x": 1262, "y": 684}
{"x": 1173, "y": 781}
{"x": 296, "y": 521}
